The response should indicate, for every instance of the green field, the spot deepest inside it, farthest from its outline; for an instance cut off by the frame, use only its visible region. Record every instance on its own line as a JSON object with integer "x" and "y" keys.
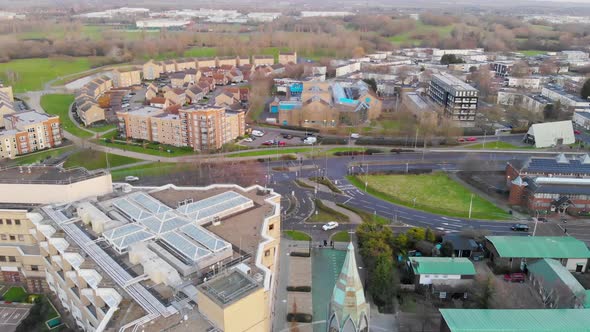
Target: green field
{"x": 342, "y": 236}
{"x": 435, "y": 193}
{"x": 102, "y": 129}
{"x": 40, "y": 156}
{"x": 152, "y": 169}
{"x": 15, "y": 294}
{"x": 150, "y": 148}
{"x": 421, "y": 28}
{"x": 532, "y": 52}
{"x": 269, "y": 152}
{"x": 324, "y": 214}
{"x": 58, "y": 104}
{"x": 297, "y": 236}
{"x": 91, "y": 160}
{"x": 32, "y": 74}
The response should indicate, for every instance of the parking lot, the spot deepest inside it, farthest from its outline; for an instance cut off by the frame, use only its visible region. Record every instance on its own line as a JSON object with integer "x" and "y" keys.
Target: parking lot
{"x": 11, "y": 315}
{"x": 275, "y": 136}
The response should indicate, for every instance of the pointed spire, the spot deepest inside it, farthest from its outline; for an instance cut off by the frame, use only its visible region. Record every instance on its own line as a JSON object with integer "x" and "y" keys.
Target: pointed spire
{"x": 518, "y": 181}
{"x": 348, "y": 298}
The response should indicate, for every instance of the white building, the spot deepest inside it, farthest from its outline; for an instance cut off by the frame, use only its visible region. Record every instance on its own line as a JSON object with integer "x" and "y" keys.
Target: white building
{"x": 566, "y": 99}
{"x": 548, "y": 134}
{"x": 324, "y": 14}
{"x": 161, "y": 23}
{"x": 532, "y": 83}
{"x": 582, "y": 119}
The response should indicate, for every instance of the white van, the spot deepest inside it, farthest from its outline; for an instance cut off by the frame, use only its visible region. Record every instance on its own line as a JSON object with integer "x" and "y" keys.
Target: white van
{"x": 355, "y": 135}
{"x": 257, "y": 133}
{"x": 310, "y": 140}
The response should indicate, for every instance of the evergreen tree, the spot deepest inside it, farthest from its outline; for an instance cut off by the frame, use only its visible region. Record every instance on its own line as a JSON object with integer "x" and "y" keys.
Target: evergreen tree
{"x": 585, "y": 93}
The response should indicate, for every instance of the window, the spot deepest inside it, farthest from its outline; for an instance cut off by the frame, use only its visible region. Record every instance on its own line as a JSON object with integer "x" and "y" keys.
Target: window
{"x": 2, "y": 258}
{"x": 34, "y": 268}
{"x": 17, "y": 221}
{"x": 8, "y": 221}
{"x": 11, "y": 259}
{"x": 267, "y": 253}
{"x": 1, "y": 221}
{"x": 3, "y": 237}
{"x": 21, "y": 237}
{"x": 12, "y": 237}
{"x": 271, "y": 227}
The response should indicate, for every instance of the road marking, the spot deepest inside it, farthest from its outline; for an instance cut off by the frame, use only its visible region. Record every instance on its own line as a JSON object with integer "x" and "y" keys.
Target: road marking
{"x": 451, "y": 219}
{"x": 440, "y": 228}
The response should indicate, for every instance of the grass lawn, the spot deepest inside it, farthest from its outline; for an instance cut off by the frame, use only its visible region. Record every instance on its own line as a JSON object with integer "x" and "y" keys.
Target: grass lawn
{"x": 532, "y": 52}
{"x": 15, "y": 294}
{"x": 32, "y": 74}
{"x": 91, "y": 159}
{"x": 341, "y": 236}
{"x": 35, "y": 157}
{"x": 102, "y": 129}
{"x": 333, "y": 151}
{"x": 151, "y": 148}
{"x": 497, "y": 145}
{"x": 58, "y": 104}
{"x": 324, "y": 214}
{"x": 297, "y": 236}
{"x": 152, "y": 169}
{"x": 435, "y": 193}
{"x": 269, "y": 152}
{"x": 421, "y": 28}
{"x": 367, "y": 216}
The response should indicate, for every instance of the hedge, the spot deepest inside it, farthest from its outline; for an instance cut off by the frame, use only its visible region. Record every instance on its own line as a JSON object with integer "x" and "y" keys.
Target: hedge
{"x": 300, "y": 254}
{"x": 311, "y": 130}
{"x": 305, "y": 289}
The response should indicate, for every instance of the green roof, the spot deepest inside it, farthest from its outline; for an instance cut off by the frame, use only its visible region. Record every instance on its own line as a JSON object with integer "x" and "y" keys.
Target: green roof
{"x": 539, "y": 246}
{"x": 552, "y": 271}
{"x": 442, "y": 265}
{"x": 517, "y": 320}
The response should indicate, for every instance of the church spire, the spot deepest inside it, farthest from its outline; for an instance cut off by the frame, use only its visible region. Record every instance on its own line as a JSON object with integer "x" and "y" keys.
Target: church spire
{"x": 348, "y": 310}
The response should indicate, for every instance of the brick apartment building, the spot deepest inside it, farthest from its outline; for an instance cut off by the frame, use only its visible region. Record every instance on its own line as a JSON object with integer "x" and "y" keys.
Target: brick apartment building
{"x": 28, "y": 132}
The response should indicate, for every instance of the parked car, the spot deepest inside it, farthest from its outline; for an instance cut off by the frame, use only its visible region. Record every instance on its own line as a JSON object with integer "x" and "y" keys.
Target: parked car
{"x": 257, "y": 133}
{"x": 471, "y": 139}
{"x": 271, "y": 142}
{"x": 287, "y": 136}
{"x": 515, "y": 277}
{"x": 460, "y": 140}
{"x": 330, "y": 225}
{"x": 542, "y": 219}
{"x": 520, "y": 227}
{"x": 355, "y": 135}
{"x": 281, "y": 143}
{"x": 577, "y": 132}
{"x": 248, "y": 139}
{"x": 131, "y": 178}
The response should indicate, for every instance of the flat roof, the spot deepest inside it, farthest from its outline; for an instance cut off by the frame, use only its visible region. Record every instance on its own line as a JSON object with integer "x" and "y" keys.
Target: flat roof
{"x": 517, "y": 320}
{"x": 453, "y": 81}
{"x": 146, "y": 111}
{"x": 45, "y": 175}
{"x": 228, "y": 288}
{"x": 539, "y": 246}
{"x": 442, "y": 265}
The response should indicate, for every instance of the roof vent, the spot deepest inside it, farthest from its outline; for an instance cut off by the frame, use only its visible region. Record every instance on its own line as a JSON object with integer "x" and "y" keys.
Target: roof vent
{"x": 562, "y": 159}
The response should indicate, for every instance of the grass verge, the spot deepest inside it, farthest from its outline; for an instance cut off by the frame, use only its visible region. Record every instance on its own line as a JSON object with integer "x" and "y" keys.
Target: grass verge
{"x": 326, "y": 182}
{"x": 59, "y": 104}
{"x": 149, "y": 148}
{"x": 40, "y": 156}
{"x": 91, "y": 160}
{"x": 269, "y": 152}
{"x": 366, "y": 216}
{"x": 297, "y": 236}
{"x": 498, "y": 145}
{"x": 325, "y": 214}
{"x": 341, "y": 236}
{"x": 303, "y": 184}
{"x": 15, "y": 294}
{"x": 435, "y": 193}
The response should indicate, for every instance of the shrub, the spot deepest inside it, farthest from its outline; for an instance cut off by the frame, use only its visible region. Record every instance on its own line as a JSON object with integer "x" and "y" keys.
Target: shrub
{"x": 371, "y": 151}
{"x": 300, "y": 254}
{"x": 311, "y": 130}
{"x": 289, "y": 157}
{"x": 305, "y": 289}
{"x": 334, "y": 141}
{"x": 299, "y": 318}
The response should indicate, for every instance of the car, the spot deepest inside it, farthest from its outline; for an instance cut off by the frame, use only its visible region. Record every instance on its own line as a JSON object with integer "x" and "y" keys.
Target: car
{"x": 520, "y": 227}
{"x": 471, "y": 139}
{"x": 281, "y": 143}
{"x": 132, "y": 93}
{"x": 460, "y": 140}
{"x": 515, "y": 277}
{"x": 271, "y": 142}
{"x": 330, "y": 225}
{"x": 355, "y": 135}
{"x": 542, "y": 219}
{"x": 577, "y": 132}
{"x": 131, "y": 178}
{"x": 248, "y": 139}
{"x": 257, "y": 133}
{"x": 287, "y": 136}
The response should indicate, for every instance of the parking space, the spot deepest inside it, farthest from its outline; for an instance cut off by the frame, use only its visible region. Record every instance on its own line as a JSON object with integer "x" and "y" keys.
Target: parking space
{"x": 11, "y": 315}
{"x": 273, "y": 136}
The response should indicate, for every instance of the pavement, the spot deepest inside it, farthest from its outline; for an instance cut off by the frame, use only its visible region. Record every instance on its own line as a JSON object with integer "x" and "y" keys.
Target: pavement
{"x": 11, "y": 315}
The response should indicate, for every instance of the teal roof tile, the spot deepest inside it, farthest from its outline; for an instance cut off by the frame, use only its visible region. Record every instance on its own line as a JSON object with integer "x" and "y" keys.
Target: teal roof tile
{"x": 442, "y": 265}
{"x": 539, "y": 246}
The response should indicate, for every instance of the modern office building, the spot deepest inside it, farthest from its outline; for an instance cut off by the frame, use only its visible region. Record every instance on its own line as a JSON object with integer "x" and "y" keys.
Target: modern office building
{"x": 458, "y": 98}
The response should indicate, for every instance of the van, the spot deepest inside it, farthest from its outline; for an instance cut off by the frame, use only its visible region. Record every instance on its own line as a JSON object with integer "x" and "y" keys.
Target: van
{"x": 355, "y": 135}
{"x": 310, "y": 140}
{"x": 257, "y": 133}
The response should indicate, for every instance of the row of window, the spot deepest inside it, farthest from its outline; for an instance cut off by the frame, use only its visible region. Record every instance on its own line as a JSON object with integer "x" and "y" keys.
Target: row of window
{"x": 11, "y": 259}
{"x": 5, "y": 237}
{"x": 9, "y": 221}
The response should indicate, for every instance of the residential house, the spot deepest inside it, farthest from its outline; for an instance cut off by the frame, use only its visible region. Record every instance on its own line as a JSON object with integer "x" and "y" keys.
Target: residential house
{"x": 263, "y": 60}
{"x": 151, "y": 91}
{"x": 227, "y": 61}
{"x": 207, "y": 62}
{"x": 152, "y": 70}
{"x": 90, "y": 112}
{"x": 287, "y": 57}
{"x": 445, "y": 276}
{"x": 225, "y": 99}
{"x": 220, "y": 79}
{"x": 160, "y": 102}
{"x": 515, "y": 252}
{"x": 531, "y": 83}
{"x": 185, "y": 64}
{"x": 210, "y": 81}
{"x": 178, "y": 79}
{"x": 235, "y": 75}
{"x": 6, "y": 106}
{"x": 169, "y": 66}
{"x": 6, "y": 89}
{"x": 123, "y": 78}
{"x": 194, "y": 94}
{"x": 176, "y": 96}
{"x": 463, "y": 246}
{"x": 242, "y": 61}
{"x": 558, "y": 288}
{"x": 277, "y": 69}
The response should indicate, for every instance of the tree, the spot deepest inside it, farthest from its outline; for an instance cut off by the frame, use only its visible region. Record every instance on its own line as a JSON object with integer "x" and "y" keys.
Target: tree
{"x": 520, "y": 69}
{"x": 553, "y": 111}
{"x": 448, "y": 59}
{"x": 400, "y": 242}
{"x": 383, "y": 281}
{"x": 429, "y": 235}
{"x": 446, "y": 249}
{"x": 371, "y": 82}
{"x": 482, "y": 77}
{"x": 416, "y": 234}
{"x": 585, "y": 93}
{"x": 485, "y": 292}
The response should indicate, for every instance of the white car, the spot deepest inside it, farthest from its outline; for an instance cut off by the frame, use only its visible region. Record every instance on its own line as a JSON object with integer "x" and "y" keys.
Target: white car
{"x": 131, "y": 178}
{"x": 330, "y": 225}
{"x": 248, "y": 139}
{"x": 257, "y": 133}
{"x": 355, "y": 135}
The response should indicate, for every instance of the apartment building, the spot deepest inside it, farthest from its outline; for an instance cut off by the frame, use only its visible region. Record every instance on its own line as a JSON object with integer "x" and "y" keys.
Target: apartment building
{"x": 458, "y": 98}
{"x": 123, "y": 78}
{"x": 28, "y": 132}
{"x": 152, "y": 70}
{"x": 137, "y": 124}
{"x": 568, "y": 100}
{"x": 287, "y": 57}
{"x": 6, "y": 103}
{"x": 532, "y": 83}
{"x": 6, "y": 89}
{"x": 236, "y": 123}
{"x": 205, "y": 127}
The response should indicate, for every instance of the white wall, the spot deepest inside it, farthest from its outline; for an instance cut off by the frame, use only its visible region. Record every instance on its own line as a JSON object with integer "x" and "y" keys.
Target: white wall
{"x": 426, "y": 279}
{"x": 573, "y": 262}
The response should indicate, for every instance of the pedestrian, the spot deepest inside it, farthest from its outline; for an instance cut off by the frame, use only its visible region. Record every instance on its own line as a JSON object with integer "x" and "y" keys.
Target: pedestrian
{"x": 565, "y": 230}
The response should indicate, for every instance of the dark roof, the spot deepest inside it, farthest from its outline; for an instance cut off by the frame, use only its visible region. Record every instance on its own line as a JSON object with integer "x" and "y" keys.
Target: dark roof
{"x": 551, "y": 165}
{"x": 562, "y": 189}
{"x": 460, "y": 242}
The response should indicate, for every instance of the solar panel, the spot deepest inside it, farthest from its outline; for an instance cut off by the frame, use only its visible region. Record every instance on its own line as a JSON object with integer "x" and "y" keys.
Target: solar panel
{"x": 204, "y": 237}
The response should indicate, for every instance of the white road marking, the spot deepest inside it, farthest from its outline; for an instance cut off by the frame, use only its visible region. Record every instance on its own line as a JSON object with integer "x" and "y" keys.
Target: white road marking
{"x": 451, "y": 219}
